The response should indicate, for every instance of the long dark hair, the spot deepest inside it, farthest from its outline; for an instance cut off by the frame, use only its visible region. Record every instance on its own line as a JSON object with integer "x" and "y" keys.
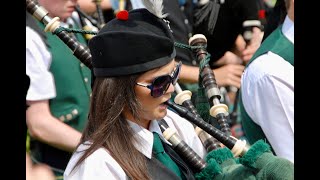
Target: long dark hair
{"x": 108, "y": 128}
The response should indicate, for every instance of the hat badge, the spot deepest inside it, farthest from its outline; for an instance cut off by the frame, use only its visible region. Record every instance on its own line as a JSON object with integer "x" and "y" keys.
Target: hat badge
{"x": 122, "y": 15}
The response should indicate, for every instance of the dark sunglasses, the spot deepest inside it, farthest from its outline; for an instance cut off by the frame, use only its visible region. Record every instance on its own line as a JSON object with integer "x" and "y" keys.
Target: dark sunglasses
{"x": 160, "y": 84}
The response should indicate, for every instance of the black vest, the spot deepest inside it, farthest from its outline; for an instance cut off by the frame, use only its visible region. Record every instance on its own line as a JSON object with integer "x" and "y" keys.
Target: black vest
{"x": 158, "y": 171}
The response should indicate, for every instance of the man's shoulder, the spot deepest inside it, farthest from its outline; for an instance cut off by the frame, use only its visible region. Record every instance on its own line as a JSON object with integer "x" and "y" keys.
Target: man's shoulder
{"x": 267, "y": 65}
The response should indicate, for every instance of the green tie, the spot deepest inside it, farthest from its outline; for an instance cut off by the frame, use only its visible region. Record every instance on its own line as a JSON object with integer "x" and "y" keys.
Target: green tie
{"x": 163, "y": 157}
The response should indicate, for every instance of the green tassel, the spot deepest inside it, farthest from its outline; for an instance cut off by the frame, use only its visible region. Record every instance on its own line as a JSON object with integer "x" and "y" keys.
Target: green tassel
{"x": 265, "y": 164}
{"x": 220, "y": 155}
{"x": 255, "y": 151}
{"x": 214, "y": 159}
{"x": 202, "y": 104}
{"x": 212, "y": 169}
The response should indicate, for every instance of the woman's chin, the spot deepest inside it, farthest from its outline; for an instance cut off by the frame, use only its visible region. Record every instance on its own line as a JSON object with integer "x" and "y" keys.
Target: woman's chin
{"x": 162, "y": 113}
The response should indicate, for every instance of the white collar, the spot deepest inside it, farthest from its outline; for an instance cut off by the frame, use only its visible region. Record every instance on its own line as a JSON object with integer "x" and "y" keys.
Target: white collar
{"x": 145, "y": 137}
{"x": 288, "y": 29}
{"x": 66, "y": 23}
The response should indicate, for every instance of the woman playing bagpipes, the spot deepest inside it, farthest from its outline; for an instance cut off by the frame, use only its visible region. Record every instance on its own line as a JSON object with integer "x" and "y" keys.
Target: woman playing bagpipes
{"x": 135, "y": 73}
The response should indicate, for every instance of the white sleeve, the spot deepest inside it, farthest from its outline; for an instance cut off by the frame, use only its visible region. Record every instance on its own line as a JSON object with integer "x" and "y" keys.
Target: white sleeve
{"x": 38, "y": 60}
{"x": 268, "y": 98}
{"x": 98, "y": 166}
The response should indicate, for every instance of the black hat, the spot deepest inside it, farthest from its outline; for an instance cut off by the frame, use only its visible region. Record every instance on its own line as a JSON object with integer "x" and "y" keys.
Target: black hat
{"x": 133, "y": 42}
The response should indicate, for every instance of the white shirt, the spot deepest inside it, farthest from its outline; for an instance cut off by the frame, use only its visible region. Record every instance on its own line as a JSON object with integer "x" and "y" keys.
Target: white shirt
{"x": 268, "y": 96}
{"x": 101, "y": 166}
{"x": 38, "y": 60}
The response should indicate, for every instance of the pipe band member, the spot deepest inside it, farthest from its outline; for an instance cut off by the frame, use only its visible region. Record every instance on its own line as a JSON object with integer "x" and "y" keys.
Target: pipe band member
{"x": 133, "y": 62}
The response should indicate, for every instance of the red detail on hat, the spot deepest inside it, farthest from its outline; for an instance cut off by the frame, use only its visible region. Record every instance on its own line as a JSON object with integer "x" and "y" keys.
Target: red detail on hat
{"x": 122, "y": 15}
{"x": 262, "y": 14}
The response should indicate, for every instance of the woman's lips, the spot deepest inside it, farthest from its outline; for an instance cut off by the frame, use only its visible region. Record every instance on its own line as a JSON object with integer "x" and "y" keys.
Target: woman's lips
{"x": 70, "y": 9}
{"x": 163, "y": 106}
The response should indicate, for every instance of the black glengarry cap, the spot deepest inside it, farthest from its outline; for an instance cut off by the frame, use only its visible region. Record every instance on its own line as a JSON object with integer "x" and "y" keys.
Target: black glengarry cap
{"x": 133, "y": 42}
